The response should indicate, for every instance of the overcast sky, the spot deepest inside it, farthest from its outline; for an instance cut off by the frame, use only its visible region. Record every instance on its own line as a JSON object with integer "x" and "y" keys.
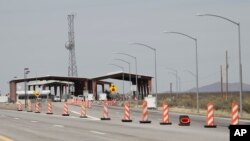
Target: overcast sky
{"x": 33, "y": 35}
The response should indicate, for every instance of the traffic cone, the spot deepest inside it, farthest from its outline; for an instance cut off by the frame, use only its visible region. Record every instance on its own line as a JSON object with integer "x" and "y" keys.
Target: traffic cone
{"x": 165, "y": 115}
{"x": 65, "y": 110}
{"x": 105, "y": 111}
{"x": 83, "y": 110}
{"x": 235, "y": 114}
{"x": 126, "y": 117}
{"x": 145, "y": 113}
{"x": 49, "y": 108}
{"x": 29, "y": 107}
{"x": 210, "y": 116}
{"x": 37, "y": 108}
{"x": 19, "y": 106}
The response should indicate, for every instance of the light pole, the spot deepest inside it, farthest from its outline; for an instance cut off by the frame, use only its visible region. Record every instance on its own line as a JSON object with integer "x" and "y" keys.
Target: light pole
{"x": 176, "y": 78}
{"x": 239, "y": 45}
{"x": 136, "y": 76}
{"x": 196, "y": 61}
{"x": 129, "y": 76}
{"x": 122, "y": 75}
{"x": 26, "y": 72}
{"x": 147, "y": 46}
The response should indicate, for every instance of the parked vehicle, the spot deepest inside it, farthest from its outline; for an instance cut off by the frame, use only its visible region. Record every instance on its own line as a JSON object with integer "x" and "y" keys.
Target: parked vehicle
{"x": 57, "y": 99}
{"x": 80, "y": 97}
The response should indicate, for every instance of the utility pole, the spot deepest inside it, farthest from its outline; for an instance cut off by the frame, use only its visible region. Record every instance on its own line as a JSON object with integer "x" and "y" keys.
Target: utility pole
{"x": 221, "y": 80}
{"x": 227, "y": 66}
{"x": 170, "y": 90}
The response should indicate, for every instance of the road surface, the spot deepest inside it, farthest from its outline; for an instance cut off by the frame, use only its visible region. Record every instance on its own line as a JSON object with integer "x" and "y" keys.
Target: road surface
{"x": 30, "y": 126}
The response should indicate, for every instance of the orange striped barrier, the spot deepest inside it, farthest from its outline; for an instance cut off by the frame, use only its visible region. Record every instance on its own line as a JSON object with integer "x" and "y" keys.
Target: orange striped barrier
{"x": 29, "y": 107}
{"x": 235, "y": 114}
{"x": 145, "y": 113}
{"x": 37, "y": 108}
{"x": 49, "y": 108}
{"x": 105, "y": 111}
{"x": 126, "y": 117}
{"x": 165, "y": 115}
{"x": 19, "y": 106}
{"x": 210, "y": 116}
{"x": 65, "y": 110}
{"x": 83, "y": 111}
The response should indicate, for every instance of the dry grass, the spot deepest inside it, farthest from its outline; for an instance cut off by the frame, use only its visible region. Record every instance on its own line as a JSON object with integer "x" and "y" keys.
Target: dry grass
{"x": 217, "y": 113}
{"x": 186, "y": 103}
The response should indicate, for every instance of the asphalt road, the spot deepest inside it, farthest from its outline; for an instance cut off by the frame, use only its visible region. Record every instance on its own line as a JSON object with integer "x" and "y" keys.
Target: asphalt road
{"x": 26, "y": 126}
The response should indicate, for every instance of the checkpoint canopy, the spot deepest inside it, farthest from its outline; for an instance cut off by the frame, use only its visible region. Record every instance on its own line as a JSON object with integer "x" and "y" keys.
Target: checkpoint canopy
{"x": 144, "y": 81}
{"x": 81, "y": 84}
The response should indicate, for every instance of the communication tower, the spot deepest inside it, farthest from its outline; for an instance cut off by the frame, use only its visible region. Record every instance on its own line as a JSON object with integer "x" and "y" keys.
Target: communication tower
{"x": 70, "y": 45}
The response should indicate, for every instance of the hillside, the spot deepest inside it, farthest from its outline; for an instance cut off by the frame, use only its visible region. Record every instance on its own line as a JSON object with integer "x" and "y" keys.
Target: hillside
{"x": 216, "y": 87}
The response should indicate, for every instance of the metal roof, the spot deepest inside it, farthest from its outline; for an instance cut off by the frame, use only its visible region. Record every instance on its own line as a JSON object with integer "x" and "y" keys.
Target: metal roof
{"x": 119, "y": 76}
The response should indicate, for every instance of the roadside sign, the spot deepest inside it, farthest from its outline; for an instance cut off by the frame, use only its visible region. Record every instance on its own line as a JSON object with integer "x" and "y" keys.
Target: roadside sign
{"x": 36, "y": 93}
{"x": 113, "y": 88}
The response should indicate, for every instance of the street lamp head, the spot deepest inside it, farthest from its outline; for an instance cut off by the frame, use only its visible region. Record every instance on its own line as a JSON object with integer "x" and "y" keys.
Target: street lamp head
{"x": 117, "y": 66}
{"x": 221, "y": 17}
{"x": 173, "y": 32}
{"x": 124, "y": 54}
{"x": 122, "y": 60}
{"x": 141, "y": 44}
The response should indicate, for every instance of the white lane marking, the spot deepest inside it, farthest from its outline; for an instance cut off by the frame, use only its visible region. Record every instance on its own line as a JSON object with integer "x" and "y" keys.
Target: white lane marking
{"x": 75, "y": 112}
{"x": 92, "y": 118}
{"x": 15, "y": 118}
{"x": 57, "y": 125}
{"x": 96, "y": 132}
{"x": 34, "y": 121}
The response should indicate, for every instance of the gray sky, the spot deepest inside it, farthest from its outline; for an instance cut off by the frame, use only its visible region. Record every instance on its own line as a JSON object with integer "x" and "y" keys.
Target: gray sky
{"x": 33, "y": 34}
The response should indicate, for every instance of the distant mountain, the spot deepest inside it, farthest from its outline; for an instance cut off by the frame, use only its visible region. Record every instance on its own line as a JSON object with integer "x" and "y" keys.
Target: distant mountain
{"x": 216, "y": 87}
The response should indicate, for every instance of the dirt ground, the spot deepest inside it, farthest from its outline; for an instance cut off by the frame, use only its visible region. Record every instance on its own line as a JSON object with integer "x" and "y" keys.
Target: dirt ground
{"x": 8, "y": 106}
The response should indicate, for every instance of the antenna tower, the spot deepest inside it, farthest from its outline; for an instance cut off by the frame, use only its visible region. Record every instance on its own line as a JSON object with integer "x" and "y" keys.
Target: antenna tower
{"x": 70, "y": 45}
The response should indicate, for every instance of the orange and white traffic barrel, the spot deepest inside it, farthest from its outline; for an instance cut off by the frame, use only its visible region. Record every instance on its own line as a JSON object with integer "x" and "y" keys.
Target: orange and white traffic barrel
{"x": 83, "y": 110}
{"x": 165, "y": 115}
{"x": 49, "y": 108}
{"x": 235, "y": 114}
{"x": 145, "y": 113}
{"x": 105, "y": 111}
{"x": 65, "y": 109}
{"x": 210, "y": 116}
{"x": 37, "y": 107}
{"x": 29, "y": 107}
{"x": 19, "y": 106}
{"x": 126, "y": 117}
